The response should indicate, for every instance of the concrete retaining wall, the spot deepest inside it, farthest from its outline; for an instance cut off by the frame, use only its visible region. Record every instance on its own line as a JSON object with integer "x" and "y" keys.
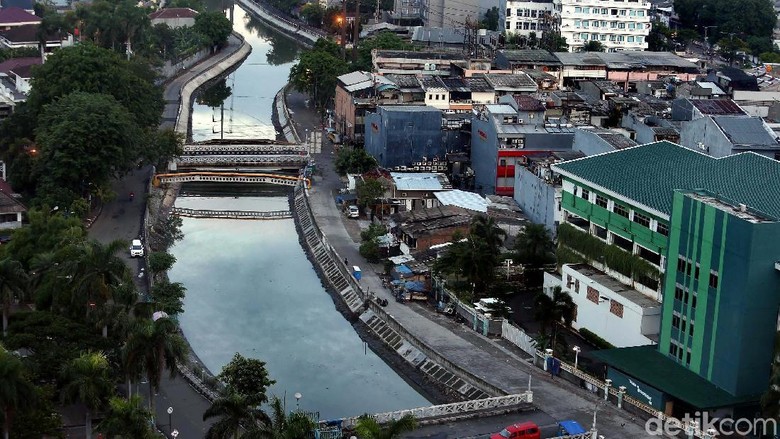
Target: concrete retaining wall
{"x": 297, "y": 30}
{"x": 168, "y": 70}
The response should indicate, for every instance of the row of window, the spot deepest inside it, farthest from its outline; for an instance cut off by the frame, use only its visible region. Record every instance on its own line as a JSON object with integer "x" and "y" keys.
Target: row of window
{"x": 623, "y": 211}
{"x": 524, "y": 25}
{"x": 610, "y": 11}
{"x": 436, "y": 97}
{"x": 677, "y": 352}
{"x": 613, "y": 38}
{"x": 532, "y": 13}
{"x": 609, "y": 24}
{"x": 593, "y": 295}
{"x": 683, "y": 296}
{"x": 685, "y": 265}
{"x": 680, "y": 323}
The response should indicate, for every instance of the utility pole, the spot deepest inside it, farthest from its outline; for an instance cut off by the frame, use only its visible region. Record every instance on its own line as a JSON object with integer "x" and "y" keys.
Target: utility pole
{"x": 709, "y": 46}
{"x": 344, "y": 29}
{"x": 377, "y": 11}
{"x": 355, "y": 31}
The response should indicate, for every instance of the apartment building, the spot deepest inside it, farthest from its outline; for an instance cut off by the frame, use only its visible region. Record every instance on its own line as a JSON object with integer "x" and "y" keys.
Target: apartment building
{"x": 617, "y": 24}
{"x": 680, "y": 271}
{"x": 526, "y": 16}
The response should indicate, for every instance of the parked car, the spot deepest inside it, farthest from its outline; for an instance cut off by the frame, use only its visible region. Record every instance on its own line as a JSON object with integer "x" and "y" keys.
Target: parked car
{"x": 136, "y": 249}
{"x": 524, "y": 430}
{"x": 569, "y": 428}
{"x": 353, "y": 212}
{"x": 335, "y": 138}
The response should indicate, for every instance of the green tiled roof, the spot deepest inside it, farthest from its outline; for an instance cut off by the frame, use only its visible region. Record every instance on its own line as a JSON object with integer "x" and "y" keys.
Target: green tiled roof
{"x": 646, "y": 364}
{"x": 649, "y": 175}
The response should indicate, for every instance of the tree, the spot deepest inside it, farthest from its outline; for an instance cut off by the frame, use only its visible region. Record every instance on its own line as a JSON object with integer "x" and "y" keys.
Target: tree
{"x": 485, "y": 228}
{"x": 233, "y": 411}
{"x": 88, "y": 68}
{"x": 368, "y": 191}
{"x": 660, "y": 38}
{"x": 354, "y": 161}
{"x": 46, "y": 232}
{"x": 729, "y": 48}
{"x": 16, "y": 391}
{"x": 553, "y": 42}
{"x": 248, "y": 378}
{"x": 382, "y": 41}
{"x": 368, "y": 428}
{"x": 552, "y": 311}
{"x": 593, "y": 46}
{"x": 86, "y": 138}
{"x": 214, "y": 26}
{"x": 168, "y": 297}
{"x": 295, "y": 425}
{"x": 161, "y": 261}
{"x": 13, "y": 286}
{"x": 533, "y": 246}
{"x": 157, "y": 346}
{"x": 313, "y": 13}
{"x": 215, "y": 95}
{"x": 87, "y": 381}
{"x": 728, "y": 19}
{"x": 490, "y": 20}
{"x": 127, "y": 419}
{"x": 369, "y": 250}
{"x": 316, "y": 72}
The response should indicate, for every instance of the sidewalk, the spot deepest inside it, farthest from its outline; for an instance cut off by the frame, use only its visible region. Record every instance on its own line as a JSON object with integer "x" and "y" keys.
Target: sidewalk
{"x": 483, "y": 357}
{"x": 122, "y": 219}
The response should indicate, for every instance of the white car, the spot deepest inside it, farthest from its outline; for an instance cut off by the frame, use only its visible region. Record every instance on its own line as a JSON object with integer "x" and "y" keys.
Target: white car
{"x": 136, "y": 249}
{"x": 353, "y": 212}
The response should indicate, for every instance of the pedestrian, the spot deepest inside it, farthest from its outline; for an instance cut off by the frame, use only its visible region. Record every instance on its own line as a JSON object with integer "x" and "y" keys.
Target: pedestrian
{"x": 346, "y": 262}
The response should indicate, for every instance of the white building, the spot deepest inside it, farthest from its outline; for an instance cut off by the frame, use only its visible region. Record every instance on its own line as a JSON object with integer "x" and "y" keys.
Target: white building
{"x": 526, "y": 16}
{"x": 619, "y": 314}
{"x": 616, "y": 24}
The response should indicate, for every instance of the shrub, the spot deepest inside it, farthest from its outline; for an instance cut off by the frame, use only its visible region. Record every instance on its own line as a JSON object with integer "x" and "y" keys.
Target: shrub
{"x": 595, "y": 340}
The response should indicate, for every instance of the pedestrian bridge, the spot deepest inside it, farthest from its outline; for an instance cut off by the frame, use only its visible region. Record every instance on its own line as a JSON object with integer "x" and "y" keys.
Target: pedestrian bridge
{"x": 232, "y": 214}
{"x": 266, "y": 160}
{"x": 229, "y": 177}
{"x": 243, "y": 149}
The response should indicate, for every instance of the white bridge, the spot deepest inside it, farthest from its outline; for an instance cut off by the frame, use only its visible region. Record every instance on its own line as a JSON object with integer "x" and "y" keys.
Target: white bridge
{"x": 288, "y": 160}
{"x": 242, "y": 149}
{"x": 232, "y": 214}
{"x": 223, "y": 177}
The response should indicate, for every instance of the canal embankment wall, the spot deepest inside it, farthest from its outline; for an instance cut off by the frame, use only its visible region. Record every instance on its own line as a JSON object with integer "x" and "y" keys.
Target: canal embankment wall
{"x": 295, "y": 29}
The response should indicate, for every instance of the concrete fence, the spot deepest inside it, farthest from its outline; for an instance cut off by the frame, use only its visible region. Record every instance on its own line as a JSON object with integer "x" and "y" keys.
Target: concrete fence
{"x": 169, "y": 70}
{"x": 518, "y": 337}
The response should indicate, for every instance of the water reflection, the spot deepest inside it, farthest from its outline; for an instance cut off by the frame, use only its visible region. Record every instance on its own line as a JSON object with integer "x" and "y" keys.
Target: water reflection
{"x": 215, "y": 95}
{"x": 283, "y": 49}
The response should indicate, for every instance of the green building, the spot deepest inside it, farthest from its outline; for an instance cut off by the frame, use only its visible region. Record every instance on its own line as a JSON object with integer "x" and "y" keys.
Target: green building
{"x": 701, "y": 237}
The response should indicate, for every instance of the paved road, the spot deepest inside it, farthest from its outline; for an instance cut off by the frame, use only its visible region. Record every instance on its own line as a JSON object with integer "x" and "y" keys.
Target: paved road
{"x": 486, "y": 358}
{"x": 122, "y": 219}
{"x": 482, "y": 428}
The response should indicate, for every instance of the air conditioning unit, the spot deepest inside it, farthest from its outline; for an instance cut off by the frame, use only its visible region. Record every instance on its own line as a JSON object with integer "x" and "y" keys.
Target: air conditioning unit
{"x": 416, "y": 168}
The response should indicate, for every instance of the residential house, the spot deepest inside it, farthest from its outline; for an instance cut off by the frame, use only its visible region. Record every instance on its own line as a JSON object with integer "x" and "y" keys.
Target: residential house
{"x": 25, "y": 5}
{"x": 518, "y": 83}
{"x": 624, "y": 68}
{"x": 437, "y": 94}
{"x": 11, "y": 210}
{"x": 15, "y": 77}
{"x": 535, "y": 59}
{"x": 694, "y": 235}
{"x": 617, "y": 24}
{"x": 419, "y": 230}
{"x": 415, "y": 190}
{"x": 415, "y": 63}
{"x": 448, "y": 13}
{"x": 591, "y": 140}
{"x": 356, "y": 94}
{"x": 174, "y": 17}
{"x": 404, "y": 135}
{"x": 528, "y": 108}
{"x": 27, "y": 36}
{"x": 13, "y": 17}
{"x": 500, "y": 140}
{"x": 438, "y": 37}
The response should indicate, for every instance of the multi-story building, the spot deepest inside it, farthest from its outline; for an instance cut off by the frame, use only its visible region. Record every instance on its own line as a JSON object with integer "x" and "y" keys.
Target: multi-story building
{"x": 526, "y": 16}
{"x": 436, "y": 13}
{"x": 680, "y": 251}
{"x": 616, "y": 24}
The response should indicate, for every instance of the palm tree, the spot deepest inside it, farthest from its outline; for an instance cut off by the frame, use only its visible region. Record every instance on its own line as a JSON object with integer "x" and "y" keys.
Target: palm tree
{"x": 101, "y": 277}
{"x": 234, "y": 413}
{"x": 87, "y": 380}
{"x": 368, "y": 428}
{"x": 487, "y": 230}
{"x": 128, "y": 419}
{"x": 155, "y": 345}
{"x": 534, "y": 246}
{"x": 553, "y": 310}
{"x": 13, "y": 285}
{"x": 16, "y": 392}
{"x": 280, "y": 425}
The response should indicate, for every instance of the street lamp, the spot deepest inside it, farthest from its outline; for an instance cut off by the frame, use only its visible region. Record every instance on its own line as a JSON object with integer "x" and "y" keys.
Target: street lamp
{"x": 298, "y": 397}
{"x": 508, "y": 263}
{"x": 170, "y": 424}
{"x": 576, "y": 350}
{"x": 174, "y": 433}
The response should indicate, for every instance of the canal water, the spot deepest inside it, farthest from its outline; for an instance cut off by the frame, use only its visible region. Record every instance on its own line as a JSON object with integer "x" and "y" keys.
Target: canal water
{"x": 250, "y": 287}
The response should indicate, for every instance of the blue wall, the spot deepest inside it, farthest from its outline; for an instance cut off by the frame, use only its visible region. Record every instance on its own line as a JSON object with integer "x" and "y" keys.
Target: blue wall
{"x": 484, "y": 156}
{"x": 400, "y": 136}
{"x": 536, "y": 198}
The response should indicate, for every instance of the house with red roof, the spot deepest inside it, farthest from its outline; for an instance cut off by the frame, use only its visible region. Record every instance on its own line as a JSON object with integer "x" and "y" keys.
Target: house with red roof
{"x": 27, "y": 36}
{"x": 11, "y": 209}
{"x": 13, "y": 17}
{"x": 174, "y": 17}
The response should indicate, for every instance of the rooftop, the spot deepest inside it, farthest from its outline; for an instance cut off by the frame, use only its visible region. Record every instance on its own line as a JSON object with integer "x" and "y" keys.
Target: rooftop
{"x": 171, "y": 13}
{"x": 645, "y": 363}
{"x": 649, "y": 174}
{"x": 19, "y": 65}
{"x": 418, "y": 55}
{"x": 404, "y": 81}
{"x": 410, "y": 109}
{"x": 420, "y": 181}
{"x": 478, "y": 84}
{"x": 615, "y": 286}
{"x": 466, "y": 200}
{"x": 528, "y": 103}
{"x": 750, "y": 131}
{"x": 713, "y": 107}
{"x": 517, "y": 82}
{"x": 616, "y": 140}
{"x": 626, "y": 60}
{"x": 456, "y": 84}
{"x": 420, "y": 222}
{"x": 444, "y": 35}
{"x": 531, "y": 56}
{"x": 17, "y": 16}
{"x": 28, "y": 33}
{"x": 431, "y": 83}
{"x": 500, "y": 109}
{"x": 358, "y": 80}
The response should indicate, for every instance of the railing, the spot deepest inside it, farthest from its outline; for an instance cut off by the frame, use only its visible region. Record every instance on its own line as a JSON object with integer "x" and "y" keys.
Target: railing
{"x": 216, "y": 160}
{"x": 196, "y": 149}
{"x": 422, "y": 414}
{"x": 217, "y": 177}
{"x": 235, "y": 214}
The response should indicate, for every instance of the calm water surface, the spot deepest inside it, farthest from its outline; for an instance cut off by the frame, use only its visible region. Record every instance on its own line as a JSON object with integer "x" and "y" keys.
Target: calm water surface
{"x": 250, "y": 287}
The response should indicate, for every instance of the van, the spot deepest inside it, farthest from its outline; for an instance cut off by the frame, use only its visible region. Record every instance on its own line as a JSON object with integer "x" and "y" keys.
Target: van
{"x": 353, "y": 212}
{"x": 490, "y": 305}
{"x": 136, "y": 249}
{"x": 524, "y": 430}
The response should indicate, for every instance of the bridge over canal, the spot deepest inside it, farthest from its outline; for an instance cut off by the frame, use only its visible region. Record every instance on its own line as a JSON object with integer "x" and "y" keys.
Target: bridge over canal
{"x": 228, "y": 177}
{"x": 232, "y": 214}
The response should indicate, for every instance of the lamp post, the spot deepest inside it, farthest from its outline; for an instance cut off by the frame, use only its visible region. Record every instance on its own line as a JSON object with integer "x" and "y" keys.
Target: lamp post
{"x": 508, "y": 263}
{"x": 298, "y": 397}
{"x": 170, "y": 424}
{"x": 576, "y": 350}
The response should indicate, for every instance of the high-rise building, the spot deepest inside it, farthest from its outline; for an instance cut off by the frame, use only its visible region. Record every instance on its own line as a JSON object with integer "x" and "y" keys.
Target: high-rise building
{"x": 616, "y": 24}
{"x": 526, "y": 16}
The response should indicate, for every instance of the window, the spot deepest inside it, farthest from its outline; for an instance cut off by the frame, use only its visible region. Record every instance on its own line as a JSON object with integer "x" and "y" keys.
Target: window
{"x": 603, "y": 37}
{"x": 577, "y": 10}
{"x": 584, "y": 193}
{"x": 693, "y": 302}
{"x": 673, "y": 350}
{"x": 641, "y": 219}
{"x": 663, "y": 229}
{"x": 533, "y": 13}
{"x": 688, "y": 358}
{"x": 630, "y": 39}
{"x": 586, "y": 10}
{"x": 577, "y": 23}
{"x": 676, "y": 321}
{"x": 508, "y": 25}
{"x": 502, "y": 162}
{"x": 593, "y": 295}
{"x": 599, "y": 231}
{"x": 430, "y": 96}
{"x": 577, "y": 286}
{"x": 690, "y": 329}
{"x": 519, "y": 25}
{"x": 681, "y": 263}
{"x": 639, "y": 39}
{"x": 620, "y": 210}
{"x": 508, "y": 12}
{"x": 616, "y": 308}
{"x": 713, "y": 279}
{"x": 678, "y": 292}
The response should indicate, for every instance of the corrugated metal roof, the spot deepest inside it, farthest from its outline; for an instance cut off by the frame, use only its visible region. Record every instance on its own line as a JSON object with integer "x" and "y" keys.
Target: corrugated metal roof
{"x": 746, "y": 130}
{"x": 466, "y": 200}
{"x": 445, "y": 35}
{"x": 516, "y": 82}
{"x": 420, "y": 181}
{"x": 649, "y": 174}
{"x": 716, "y": 106}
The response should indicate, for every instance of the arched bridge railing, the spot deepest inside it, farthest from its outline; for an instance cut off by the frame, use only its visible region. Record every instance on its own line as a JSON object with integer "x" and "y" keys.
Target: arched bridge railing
{"x": 231, "y": 214}
{"x": 229, "y": 177}
{"x": 297, "y": 161}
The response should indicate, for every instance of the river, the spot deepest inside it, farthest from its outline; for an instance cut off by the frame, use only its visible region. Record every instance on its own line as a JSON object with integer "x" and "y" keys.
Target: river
{"x": 250, "y": 287}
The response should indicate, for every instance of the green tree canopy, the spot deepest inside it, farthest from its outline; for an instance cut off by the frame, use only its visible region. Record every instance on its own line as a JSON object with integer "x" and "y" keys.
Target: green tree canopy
{"x": 354, "y": 161}
{"x": 593, "y": 46}
{"x": 86, "y": 138}
{"x": 317, "y": 70}
{"x": 127, "y": 418}
{"x": 16, "y": 391}
{"x": 728, "y": 19}
{"x": 383, "y": 41}
{"x": 490, "y": 20}
{"x": 368, "y": 191}
{"x": 247, "y": 377}
{"x": 215, "y": 95}
{"x": 214, "y": 26}
{"x": 368, "y": 428}
{"x": 88, "y": 68}
{"x": 87, "y": 380}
